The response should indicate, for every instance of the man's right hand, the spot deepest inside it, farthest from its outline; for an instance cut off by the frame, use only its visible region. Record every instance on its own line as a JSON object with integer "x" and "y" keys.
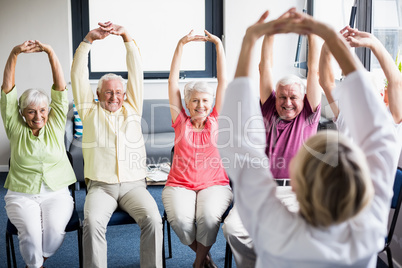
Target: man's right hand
{"x": 97, "y": 34}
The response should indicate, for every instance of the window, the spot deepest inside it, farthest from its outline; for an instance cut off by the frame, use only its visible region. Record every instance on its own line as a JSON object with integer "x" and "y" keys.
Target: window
{"x": 387, "y": 27}
{"x": 156, "y": 26}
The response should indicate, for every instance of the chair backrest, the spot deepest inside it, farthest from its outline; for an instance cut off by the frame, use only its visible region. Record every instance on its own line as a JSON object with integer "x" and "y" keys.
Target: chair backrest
{"x": 397, "y": 189}
{"x": 396, "y": 203}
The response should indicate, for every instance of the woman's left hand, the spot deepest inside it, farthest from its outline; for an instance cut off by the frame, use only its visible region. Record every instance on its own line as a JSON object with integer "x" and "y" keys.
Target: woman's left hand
{"x": 212, "y": 38}
{"x": 40, "y": 47}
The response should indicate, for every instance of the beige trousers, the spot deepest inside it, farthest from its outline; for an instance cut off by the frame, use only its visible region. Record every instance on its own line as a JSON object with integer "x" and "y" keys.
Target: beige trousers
{"x": 133, "y": 197}
{"x": 196, "y": 215}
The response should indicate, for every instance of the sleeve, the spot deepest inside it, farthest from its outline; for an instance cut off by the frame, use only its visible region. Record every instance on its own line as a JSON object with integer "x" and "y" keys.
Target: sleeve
{"x": 312, "y": 117}
{"x": 82, "y": 91}
{"x": 10, "y": 112}
{"x": 340, "y": 124}
{"x": 135, "y": 81}
{"x": 242, "y": 141}
{"x": 268, "y": 105}
{"x": 59, "y": 108}
{"x": 371, "y": 128}
{"x": 180, "y": 118}
{"x": 214, "y": 113}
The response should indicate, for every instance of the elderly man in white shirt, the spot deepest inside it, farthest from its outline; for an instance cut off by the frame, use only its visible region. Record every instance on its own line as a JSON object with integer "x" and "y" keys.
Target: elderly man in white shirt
{"x": 114, "y": 152}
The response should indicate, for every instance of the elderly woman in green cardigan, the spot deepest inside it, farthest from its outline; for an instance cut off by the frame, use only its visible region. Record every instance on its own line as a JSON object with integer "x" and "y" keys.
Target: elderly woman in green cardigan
{"x": 38, "y": 201}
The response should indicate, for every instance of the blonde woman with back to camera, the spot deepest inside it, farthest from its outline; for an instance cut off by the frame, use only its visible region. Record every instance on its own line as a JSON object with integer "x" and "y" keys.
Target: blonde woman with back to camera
{"x": 343, "y": 188}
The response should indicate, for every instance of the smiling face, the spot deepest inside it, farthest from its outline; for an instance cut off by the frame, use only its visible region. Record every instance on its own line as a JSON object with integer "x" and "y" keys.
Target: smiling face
{"x": 289, "y": 101}
{"x": 111, "y": 96}
{"x": 36, "y": 116}
{"x": 199, "y": 105}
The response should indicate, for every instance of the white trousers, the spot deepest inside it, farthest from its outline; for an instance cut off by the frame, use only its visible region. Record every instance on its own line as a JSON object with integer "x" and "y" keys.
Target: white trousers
{"x": 134, "y": 198}
{"x": 40, "y": 220}
{"x": 239, "y": 239}
{"x": 196, "y": 215}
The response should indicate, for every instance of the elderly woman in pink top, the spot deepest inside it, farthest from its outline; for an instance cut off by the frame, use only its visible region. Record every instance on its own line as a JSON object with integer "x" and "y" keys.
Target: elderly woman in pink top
{"x": 197, "y": 191}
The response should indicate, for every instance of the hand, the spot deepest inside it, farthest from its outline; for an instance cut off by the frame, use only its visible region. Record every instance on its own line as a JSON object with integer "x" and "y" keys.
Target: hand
{"x": 286, "y": 23}
{"x": 356, "y": 38}
{"x": 212, "y": 38}
{"x": 42, "y": 47}
{"x": 112, "y": 28}
{"x": 192, "y": 38}
{"x": 97, "y": 34}
{"x": 26, "y": 47}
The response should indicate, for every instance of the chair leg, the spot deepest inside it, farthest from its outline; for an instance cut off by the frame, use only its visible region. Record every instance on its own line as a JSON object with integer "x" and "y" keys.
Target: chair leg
{"x": 169, "y": 240}
{"x": 164, "y": 219}
{"x": 10, "y": 250}
{"x": 228, "y": 256}
{"x": 80, "y": 250}
{"x": 163, "y": 243}
{"x": 389, "y": 257}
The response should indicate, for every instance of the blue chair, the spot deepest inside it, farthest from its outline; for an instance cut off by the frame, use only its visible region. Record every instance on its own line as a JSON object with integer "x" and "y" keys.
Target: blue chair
{"x": 74, "y": 224}
{"x": 395, "y": 205}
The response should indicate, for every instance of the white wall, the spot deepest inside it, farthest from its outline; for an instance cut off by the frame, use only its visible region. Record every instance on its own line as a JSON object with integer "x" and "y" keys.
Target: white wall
{"x": 50, "y": 22}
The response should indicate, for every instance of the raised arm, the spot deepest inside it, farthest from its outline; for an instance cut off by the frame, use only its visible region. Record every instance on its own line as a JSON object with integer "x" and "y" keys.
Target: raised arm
{"x": 256, "y": 198}
{"x": 135, "y": 81}
{"x": 327, "y": 78}
{"x": 57, "y": 71}
{"x": 313, "y": 90}
{"x": 265, "y": 67}
{"x": 9, "y": 70}
{"x": 357, "y": 38}
{"x": 220, "y": 69}
{"x": 173, "y": 82}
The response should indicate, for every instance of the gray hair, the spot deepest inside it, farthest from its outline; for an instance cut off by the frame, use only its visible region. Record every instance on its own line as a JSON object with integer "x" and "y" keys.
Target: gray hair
{"x": 197, "y": 86}
{"x": 290, "y": 80}
{"x": 33, "y": 97}
{"x": 108, "y": 77}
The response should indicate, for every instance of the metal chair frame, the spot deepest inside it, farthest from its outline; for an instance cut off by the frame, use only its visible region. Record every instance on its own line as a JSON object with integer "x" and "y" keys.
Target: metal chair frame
{"x": 396, "y": 206}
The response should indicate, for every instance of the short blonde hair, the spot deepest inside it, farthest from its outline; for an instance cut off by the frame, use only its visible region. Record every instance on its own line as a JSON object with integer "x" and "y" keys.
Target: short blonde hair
{"x": 33, "y": 96}
{"x": 332, "y": 179}
{"x": 199, "y": 86}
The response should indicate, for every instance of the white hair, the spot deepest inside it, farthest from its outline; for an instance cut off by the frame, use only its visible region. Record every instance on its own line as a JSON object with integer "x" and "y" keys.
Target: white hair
{"x": 34, "y": 97}
{"x": 197, "y": 86}
{"x": 108, "y": 77}
{"x": 291, "y": 80}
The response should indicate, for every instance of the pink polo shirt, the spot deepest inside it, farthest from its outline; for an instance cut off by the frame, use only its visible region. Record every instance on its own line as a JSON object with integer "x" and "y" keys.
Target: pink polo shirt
{"x": 284, "y": 138}
{"x": 196, "y": 163}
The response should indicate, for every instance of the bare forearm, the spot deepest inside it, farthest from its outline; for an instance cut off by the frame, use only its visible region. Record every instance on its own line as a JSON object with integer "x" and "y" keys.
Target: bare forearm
{"x": 221, "y": 64}
{"x": 265, "y": 68}
{"x": 327, "y": 78}
{"x": 340, "y": 51}
{"x": 244, "y": 63}
{"x": 9, "y": 72}
{"x": 57, "y": 71}
{"x": 174, "y": 74}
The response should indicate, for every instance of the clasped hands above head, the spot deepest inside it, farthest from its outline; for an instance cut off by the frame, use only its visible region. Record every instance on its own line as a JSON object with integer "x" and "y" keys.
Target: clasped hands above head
{"x": 31, "y": 46}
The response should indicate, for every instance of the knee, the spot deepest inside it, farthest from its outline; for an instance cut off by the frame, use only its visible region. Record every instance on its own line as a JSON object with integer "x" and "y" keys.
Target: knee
{"x": 93, "y": 224}
{"x": 152, "y": 218}
{"x": 228, "y": 229}
{"x": 179, "y": 221}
